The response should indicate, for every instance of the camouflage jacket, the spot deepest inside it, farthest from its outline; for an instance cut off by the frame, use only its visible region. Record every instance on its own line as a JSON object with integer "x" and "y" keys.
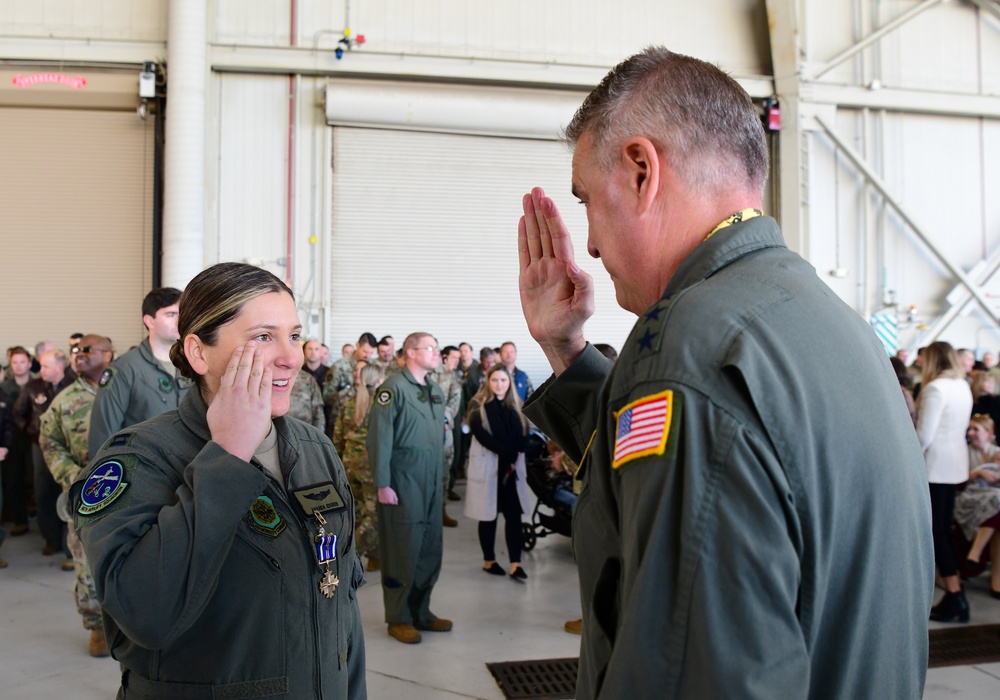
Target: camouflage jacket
{"x": 65, "y": 429}
{"x": 355, "y": 449}
{"x": 345, "y": 411}
{"x": 452, "y": 388}
{"x": 306, "y": 401}
{"x": 340, "y": 376}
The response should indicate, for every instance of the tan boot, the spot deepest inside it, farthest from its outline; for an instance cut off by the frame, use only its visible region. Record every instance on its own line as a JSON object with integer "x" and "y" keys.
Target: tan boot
{"x": 98, "y": 644}
{"x": 445, "y": 520}
{"x": 574, "y": 627}
{"x": 438, "y": 625}
{"x": 407, "y": 634}
{"x": 373, "y": 564}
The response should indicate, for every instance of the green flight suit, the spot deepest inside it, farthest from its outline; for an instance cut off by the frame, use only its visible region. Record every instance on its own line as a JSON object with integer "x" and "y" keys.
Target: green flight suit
{"x": 207, "y": 568}
{"x": 134, "y": 388}
{"x": 405, "y": 451}
{"x": 754, "y": 520}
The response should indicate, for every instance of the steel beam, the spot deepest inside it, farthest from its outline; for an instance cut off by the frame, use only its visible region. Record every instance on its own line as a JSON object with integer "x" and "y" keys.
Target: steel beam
{"x": 877, "y": 183}
{"x": 886, "y": 28}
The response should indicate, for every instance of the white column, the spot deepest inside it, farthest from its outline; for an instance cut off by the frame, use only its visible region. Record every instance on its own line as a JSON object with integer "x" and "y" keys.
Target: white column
{"x": 184, "y": 152}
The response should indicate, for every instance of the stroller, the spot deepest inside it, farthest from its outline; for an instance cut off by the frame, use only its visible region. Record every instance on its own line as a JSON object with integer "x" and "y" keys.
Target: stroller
{"x": 548, "y": 517}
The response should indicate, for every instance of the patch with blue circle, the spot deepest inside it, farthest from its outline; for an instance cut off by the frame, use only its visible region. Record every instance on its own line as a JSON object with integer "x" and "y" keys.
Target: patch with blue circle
{"x": 102, "y": 488}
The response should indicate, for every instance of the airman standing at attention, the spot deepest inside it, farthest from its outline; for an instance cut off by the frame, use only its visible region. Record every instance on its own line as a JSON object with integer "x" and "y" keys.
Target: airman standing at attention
{"x": 405, "y": 451}
{"x": 446, "y": 377}
{"x": 142, "y": 383}
{"x": 65, "y": 428}
{"x": 341, "y": 376}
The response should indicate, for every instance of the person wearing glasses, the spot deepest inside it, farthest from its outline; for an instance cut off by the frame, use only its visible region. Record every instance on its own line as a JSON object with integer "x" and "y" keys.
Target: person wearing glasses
{"x": 406, "y": 456}
{"x": 142, "y": 383}
{"x": 63, "y": 435}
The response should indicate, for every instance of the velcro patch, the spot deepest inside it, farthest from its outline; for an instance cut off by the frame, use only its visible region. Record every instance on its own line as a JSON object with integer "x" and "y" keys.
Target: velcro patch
{"x": 264, "y": 518}
{"x": 106, "y": 377}
{"x": 121, "y": 439}
{"x": 643, "y": 428}
{"x": 103, "y": 487}
{"x": 383, "y": 397}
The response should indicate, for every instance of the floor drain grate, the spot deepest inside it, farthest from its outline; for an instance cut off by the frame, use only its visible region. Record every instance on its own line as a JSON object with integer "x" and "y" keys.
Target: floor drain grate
{"x": 958, "y": 646}
{"x": 544, "y": 679}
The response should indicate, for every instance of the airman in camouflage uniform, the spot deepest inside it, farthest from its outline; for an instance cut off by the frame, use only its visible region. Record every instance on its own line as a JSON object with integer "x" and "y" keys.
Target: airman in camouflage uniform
{"x": 343, "y": 415}
{"x": 445, "y": 377}
{"x": 341, "y": 375}
{"x": 306, "y": 401}
{"x": 63, "y": 437}
{"x": 354, "y": 455}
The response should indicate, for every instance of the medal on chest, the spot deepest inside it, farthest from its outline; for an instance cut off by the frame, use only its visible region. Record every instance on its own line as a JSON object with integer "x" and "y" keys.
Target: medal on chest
{"x": 326, "y": 551}
{"x": 315, "y": 501}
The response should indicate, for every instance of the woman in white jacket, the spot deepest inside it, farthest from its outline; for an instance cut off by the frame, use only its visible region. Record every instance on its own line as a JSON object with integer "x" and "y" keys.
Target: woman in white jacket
{"x": 496, "y": 473}
{"x": 942, "y": 419}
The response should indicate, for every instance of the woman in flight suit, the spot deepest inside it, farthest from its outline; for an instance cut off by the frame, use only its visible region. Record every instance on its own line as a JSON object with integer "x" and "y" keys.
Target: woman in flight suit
{"x": 220, "y": 535}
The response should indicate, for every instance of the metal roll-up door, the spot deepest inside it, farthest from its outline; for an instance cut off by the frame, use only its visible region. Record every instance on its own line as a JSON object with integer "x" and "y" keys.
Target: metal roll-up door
{"x": 76, "y": 220}
{"x": 425, "y": 238}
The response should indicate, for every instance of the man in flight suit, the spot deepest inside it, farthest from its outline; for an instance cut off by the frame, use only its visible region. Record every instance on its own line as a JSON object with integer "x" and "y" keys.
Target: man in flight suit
{"x": 745, "y": 459}
{"x": 405, "y": 451}
{"x": 142, "y": 383}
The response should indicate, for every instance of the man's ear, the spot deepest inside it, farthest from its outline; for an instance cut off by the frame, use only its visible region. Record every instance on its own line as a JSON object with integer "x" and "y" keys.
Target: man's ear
{"x": 194, "y": 350}
{"x": 148, "y": 321}
{"x": 642, "y": 163}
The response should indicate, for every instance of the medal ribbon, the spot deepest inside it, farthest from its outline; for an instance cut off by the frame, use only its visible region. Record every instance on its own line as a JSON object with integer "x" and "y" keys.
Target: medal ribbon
{"x": 326, "y": 548}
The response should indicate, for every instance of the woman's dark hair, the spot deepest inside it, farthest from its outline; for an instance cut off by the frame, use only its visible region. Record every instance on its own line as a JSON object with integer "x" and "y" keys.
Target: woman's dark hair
{"x": 214, "y": 298}
{"x": 902, "y": 374}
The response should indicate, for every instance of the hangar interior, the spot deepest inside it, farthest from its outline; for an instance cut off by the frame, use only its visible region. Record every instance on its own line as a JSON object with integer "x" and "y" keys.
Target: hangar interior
{"x": 373, "y": 154}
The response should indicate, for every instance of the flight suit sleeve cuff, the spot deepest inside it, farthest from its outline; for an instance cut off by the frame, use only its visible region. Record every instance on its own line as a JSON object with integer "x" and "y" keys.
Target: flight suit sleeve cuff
{"x": 565, "y": 407}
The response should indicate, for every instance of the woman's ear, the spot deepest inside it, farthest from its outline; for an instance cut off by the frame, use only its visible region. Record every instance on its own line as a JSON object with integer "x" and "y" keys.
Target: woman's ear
{"x": 194, "y": 351}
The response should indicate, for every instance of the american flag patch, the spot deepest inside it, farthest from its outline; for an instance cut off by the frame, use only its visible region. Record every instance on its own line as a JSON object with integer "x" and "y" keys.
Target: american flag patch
{"x": 643, "y": 427}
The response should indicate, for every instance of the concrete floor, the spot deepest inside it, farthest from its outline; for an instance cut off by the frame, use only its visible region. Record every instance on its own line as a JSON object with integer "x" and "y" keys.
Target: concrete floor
{"x": 43, "y": 648}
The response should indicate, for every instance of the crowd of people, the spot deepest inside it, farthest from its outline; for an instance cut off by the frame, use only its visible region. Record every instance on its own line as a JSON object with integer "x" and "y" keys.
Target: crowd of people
{"x": 952, "y": 398}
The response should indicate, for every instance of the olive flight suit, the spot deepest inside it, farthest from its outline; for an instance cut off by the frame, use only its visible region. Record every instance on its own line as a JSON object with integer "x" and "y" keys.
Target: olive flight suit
{"x": 405, "y": 451}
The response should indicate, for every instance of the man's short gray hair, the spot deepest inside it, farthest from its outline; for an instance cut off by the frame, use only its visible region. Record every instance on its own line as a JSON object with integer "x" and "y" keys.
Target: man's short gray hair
{"x": 693, "y": 112}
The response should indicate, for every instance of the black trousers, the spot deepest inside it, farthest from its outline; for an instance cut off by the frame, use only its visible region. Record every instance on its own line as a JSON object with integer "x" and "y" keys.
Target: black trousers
{"x": 942, "y": 512}
{"x": 510, "y": 506}
{"x": 47, "y": 492}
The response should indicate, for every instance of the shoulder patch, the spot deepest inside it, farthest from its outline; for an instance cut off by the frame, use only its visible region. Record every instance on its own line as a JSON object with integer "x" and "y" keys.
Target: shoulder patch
{"x": 643, "y": 428}
{"x": 103, "y": 487}
{"x": 106, "y": 378}
{"x": 383, "y": 397}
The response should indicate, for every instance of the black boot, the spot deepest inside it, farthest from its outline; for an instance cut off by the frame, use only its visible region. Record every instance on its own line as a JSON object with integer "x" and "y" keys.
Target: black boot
{"x": 952, "y": 608}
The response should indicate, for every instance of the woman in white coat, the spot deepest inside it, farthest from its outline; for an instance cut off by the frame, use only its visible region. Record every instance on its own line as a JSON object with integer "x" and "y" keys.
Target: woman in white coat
{"x": 496, "y": 473}
{"x": 942, "y": 419}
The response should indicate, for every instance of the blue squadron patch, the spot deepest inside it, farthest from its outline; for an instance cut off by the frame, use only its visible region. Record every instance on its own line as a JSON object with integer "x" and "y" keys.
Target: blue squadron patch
{"x": 383, "y": 397}
{"x": 264, "y": 518}
{"x": 106, "y": 378}
{"x": 102, "y": 488}
{"x": 166, "y": 385}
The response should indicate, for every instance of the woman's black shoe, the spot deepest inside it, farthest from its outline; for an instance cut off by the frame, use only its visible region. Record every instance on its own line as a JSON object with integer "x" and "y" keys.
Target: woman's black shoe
{"x": 994, "y": 594}
{"x": 952, "y": 608}
{"x": 518, "y": 574}
{"x": 494, "y": 569}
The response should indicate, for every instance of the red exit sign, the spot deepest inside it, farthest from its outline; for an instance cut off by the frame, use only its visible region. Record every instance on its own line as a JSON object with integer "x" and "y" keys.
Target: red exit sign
{"x": 75, "y": 82}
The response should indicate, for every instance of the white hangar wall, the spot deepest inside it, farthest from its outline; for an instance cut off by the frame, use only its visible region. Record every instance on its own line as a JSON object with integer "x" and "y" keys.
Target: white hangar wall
{"x": 886, "y": 157}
